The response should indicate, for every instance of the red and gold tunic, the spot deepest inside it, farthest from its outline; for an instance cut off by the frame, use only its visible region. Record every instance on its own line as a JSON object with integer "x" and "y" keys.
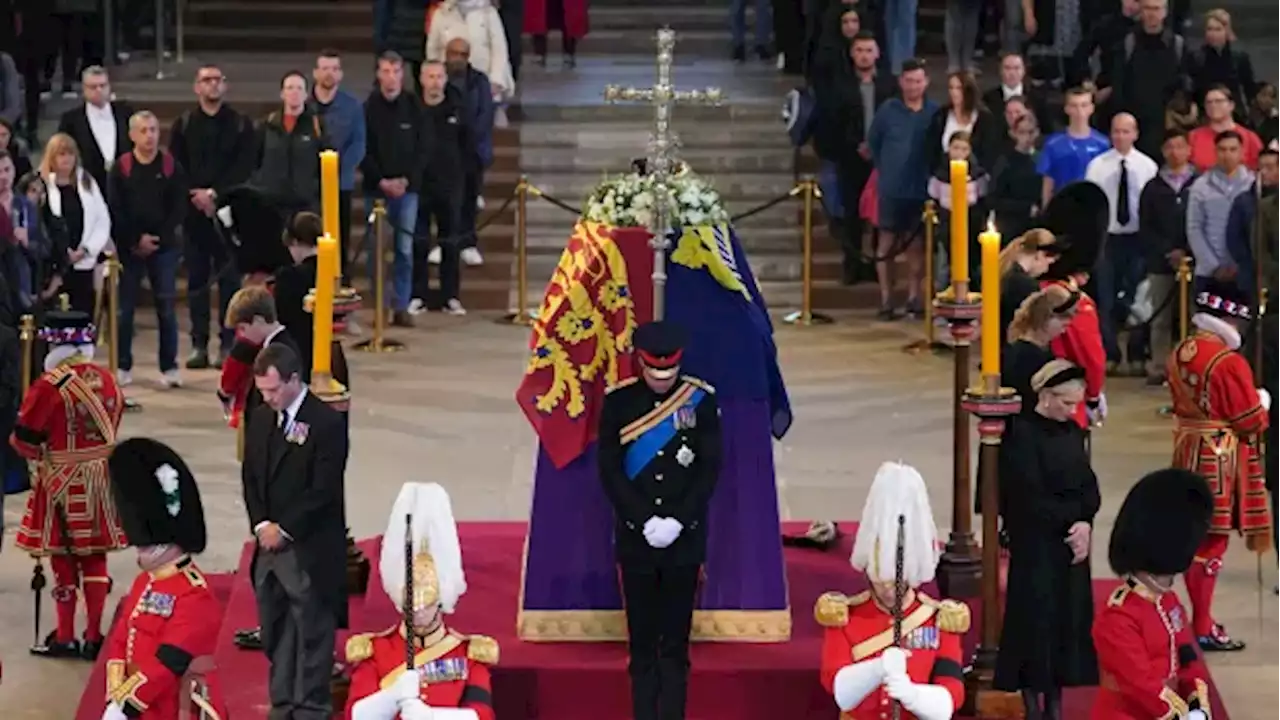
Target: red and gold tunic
{"x": 1220, "y": 419}
{"x": 454, "y": 668}
{"x": 1081, "y": 343}
{"x": 236, "y": 377}
{"x": 159, "y": 655}
{"x": 67, "y": 428}
{"x": 1147, "y": 660}
{"x": 857, "y": 628}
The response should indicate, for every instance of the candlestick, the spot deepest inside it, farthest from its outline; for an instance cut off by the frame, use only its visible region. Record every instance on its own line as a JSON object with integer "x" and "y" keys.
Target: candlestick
{"x": 322, "y": 308}
{"x": 329, "y": 188}
{"x": 991, "y": 340}
{"x": 959, "y": 222}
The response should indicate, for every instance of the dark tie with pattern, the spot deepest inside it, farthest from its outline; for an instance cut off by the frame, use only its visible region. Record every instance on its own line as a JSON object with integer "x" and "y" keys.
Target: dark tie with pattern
{"x": 1122, "y": 195}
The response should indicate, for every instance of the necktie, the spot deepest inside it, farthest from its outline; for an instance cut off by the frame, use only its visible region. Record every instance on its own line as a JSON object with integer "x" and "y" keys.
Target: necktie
{"x": 1122, "y": 195}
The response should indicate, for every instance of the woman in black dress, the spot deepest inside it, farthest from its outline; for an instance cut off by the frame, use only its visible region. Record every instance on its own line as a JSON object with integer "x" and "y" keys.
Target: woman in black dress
{"x": 1022, "y": 261}
{"x": 1049, "y": 604}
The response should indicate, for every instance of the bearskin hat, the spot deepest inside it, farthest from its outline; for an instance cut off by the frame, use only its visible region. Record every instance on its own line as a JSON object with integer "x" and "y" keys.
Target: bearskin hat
{"x": 1078, "y": 216}
{"x": 156, "y": 496}
{"x": 1162, "y": 521}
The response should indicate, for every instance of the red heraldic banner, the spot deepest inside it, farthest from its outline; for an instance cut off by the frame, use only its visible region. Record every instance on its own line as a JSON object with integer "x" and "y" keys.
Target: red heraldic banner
{"x": 579, "y": 343}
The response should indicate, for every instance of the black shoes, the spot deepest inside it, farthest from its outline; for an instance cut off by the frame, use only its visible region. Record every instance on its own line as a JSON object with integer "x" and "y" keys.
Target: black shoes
{"x": 51, "y": 648}
{"x": 90, "y": 649}
{"x": 1219, "y": 641}
{"x": 249, "y": 639}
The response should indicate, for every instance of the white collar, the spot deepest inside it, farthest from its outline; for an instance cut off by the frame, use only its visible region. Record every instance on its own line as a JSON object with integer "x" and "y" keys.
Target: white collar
{"x": 104, "y": 111}
{"x": 1010, "y": 91}
{"x": 1219, "y": 327}
{"x": 279, "y": 329}
{"x": 290, "y": 413}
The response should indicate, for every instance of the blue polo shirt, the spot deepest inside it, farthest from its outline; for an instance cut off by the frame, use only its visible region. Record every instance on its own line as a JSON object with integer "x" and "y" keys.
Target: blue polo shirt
{"x": 1065, "y": 157}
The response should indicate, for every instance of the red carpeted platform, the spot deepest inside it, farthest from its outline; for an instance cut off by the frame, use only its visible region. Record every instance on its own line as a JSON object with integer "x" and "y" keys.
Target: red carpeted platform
{"x": 582, "y": 681}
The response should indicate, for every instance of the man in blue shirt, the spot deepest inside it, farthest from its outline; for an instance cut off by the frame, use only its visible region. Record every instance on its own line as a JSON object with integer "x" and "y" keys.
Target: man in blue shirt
{"x": 1066, "y": 154}
{"x": 343, "y": 117}
{"x": 900, "y": 153}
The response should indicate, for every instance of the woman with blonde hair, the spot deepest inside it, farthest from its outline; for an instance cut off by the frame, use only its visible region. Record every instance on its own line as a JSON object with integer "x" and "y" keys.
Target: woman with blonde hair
{"x": 77, "y": 212}
{"x": 1218, "y": 61}
{"x": 1022, "y": 262}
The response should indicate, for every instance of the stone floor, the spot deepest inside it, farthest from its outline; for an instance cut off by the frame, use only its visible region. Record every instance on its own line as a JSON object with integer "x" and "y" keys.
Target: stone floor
{"x": 443, "y": 411}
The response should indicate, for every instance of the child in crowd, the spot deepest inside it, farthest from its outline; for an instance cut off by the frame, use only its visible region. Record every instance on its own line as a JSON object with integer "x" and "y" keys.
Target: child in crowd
{"x": 959, "y": 147}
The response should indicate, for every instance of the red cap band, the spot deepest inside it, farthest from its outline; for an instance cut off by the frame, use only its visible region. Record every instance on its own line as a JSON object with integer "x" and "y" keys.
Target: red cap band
{"x": 663, "y": 362}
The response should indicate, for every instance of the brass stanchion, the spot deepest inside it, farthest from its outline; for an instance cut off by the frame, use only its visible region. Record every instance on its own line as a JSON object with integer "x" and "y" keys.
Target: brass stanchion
{"x": 522, "y": 315}
{"x": 27, "y": 337}
{"x": 111, "y": 285}
{"x": 379, "y": 343}
{"x": 1184, "y": 298}
{"x": 930, "y": 219}
{"x": 27, "y": 340}
{"x": 805, "y": 316}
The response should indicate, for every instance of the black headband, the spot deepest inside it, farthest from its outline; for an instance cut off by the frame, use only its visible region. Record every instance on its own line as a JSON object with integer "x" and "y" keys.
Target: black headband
{"x": 1064, "y": 376}
{"x": 1069, "y": 304}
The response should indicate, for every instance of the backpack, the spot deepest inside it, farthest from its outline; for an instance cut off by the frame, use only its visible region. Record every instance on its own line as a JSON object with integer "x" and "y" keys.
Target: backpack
{"x": 125, "y": 163}
{"x": 274, "y": 119}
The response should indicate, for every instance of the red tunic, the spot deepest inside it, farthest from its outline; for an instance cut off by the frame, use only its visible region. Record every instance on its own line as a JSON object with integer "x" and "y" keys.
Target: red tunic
{"x": 159, "y": 653}
{"x": 1220, "y": 419}
{"x": 1081, "y": 343}
{"x": 858, "y": 628}
{"x": 1145, "y": 650}
{"x": 454, "y": 669}
{"x": 67, "y": 427}
{"x": 537, "y": 22}
{"x": 236, "y": 378}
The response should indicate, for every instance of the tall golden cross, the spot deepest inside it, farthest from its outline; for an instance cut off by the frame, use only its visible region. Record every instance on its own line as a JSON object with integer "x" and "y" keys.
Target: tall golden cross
{"x": 662, "y": 147}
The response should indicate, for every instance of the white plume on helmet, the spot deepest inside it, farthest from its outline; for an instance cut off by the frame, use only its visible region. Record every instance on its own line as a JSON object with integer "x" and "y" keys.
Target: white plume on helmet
{"x": 898, "y": 489}
{"x": 434, "y": 531}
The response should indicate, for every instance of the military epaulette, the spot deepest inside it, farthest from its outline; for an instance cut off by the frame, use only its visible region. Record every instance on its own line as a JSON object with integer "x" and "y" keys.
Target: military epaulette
{"x": 1118, "y": 596}
{"x": 194, "y": 576}
{"x": 482, "y": 649}
{"x": 699, "y": 383}
{"x": 953, "y": 615}
{"x": 832, "y": 609}
{"x": 621, "y": 384}
{"x": 359, "y": 648}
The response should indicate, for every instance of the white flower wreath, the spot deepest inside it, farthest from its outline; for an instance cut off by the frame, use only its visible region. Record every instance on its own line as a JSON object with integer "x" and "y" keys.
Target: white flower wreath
{"x": 630, "y": 201}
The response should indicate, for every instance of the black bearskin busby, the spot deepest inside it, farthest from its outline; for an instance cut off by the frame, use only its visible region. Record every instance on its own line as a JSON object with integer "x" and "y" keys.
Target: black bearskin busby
{"x": 1078, "y": 216}
{"x": 1162, "y": 521}
{"x": 156, "y": 496}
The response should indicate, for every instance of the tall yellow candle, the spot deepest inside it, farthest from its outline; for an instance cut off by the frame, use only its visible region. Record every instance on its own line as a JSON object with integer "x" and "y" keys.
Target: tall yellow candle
{"x": 327, "y": 267}
{"x": 329, "y": 211}
{"x": 991, "y": 340}
{"x": 959, "y": 222}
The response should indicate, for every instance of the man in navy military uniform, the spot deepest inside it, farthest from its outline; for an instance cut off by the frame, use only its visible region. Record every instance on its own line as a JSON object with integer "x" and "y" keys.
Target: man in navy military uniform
{"x": 659, "y": 453}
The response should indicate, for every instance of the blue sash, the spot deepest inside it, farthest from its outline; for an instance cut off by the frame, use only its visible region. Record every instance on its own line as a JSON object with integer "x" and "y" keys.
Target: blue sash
{"x": 652, "y": 432}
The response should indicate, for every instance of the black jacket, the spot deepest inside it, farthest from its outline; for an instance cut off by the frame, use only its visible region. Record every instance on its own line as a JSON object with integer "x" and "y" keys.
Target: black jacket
{"x": 300, "y": 486}
{"x": 75, "y": 122}
{"x": 150, "y": 199}
{"x": 1144, "y": 81}
{"x": 840, "y": 126}
{"x": 1162, "y": 222}
{"x": 216, "y": 150}
{"x": 288, "y": 167}
{"x": 405, "y": 30}
{"x": 1229, "y": 67}
{"x": 448, "y": 139}
{"x": 291, "y": 286}
{"x": 1037, "y": 103}
{"x": 986, "y": 138}
{"x": 1015, "y": 191}
{"x": 672, "y": 484}
{"x": 397, "y": 140}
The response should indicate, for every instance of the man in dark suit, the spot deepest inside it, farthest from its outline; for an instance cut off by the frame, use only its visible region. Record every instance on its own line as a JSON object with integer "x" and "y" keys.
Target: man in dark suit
{"x": 1013, "y": 83}
{"x": 99, "y": 126}
{"x": 295, "y": 459}
{"x": 659, "y": 454}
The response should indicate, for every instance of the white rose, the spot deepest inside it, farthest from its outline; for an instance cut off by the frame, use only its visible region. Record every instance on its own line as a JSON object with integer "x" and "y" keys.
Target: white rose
{"x": 642, "y": 218}
{"x": 695, "y": 217}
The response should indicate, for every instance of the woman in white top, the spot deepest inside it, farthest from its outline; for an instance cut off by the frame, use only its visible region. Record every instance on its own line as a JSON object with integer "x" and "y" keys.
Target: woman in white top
{"x": 77, "y": 218}
{"x": 964, "y": 111}
{"x": 477, "y": 21}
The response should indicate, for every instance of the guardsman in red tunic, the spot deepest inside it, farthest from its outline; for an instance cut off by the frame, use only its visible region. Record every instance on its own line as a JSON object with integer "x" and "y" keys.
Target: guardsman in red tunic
{"x": 450, "y": 675}
{"x": 1221, "y": 415}
{"x": 159, "y": 653}
{"x": 67, "y": 429}
{"x": 1147, "y": 657}
{"x": 1079, "y": 216}
{"x": 861, "y": 667}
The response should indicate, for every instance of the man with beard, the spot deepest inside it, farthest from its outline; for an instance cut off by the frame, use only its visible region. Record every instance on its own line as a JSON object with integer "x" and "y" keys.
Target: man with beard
{"x": 477, "y": 95}
{"x": 442, "y": 198}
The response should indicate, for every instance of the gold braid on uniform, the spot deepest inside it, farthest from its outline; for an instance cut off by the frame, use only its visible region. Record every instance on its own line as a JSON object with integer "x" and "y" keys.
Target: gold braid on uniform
{"x": 699, "y": 383}
{"x": 482, "y": 649}
{"x": 359, "y": 648}
{"x": 621, "y": 384}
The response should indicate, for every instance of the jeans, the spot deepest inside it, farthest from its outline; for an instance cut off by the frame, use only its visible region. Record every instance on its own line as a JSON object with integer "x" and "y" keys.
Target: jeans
{"x": 900, "y": 32}
{"x": 961, "y": 30}
{"x": 1013, "y": 30}
{"x": 206, "y": 254}
{"x": 1122, "y": 268}
{"x": 738, "y": 21}
{"x": 1157, "y": 334}
{"x": 402, "y": 216}
{"x": 161, "y": 271}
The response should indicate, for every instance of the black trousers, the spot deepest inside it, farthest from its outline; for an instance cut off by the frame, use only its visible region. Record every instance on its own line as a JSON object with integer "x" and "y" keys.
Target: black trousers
{"x": 444, "y": 206}
{"x": 853, "y": 178}
{"x": 512, "y": 14}
{"x": 77, "y": 285}
{"x": 659, "y": 606}
{"x": 344, "y": 227}
{"x": 69, "y": 29}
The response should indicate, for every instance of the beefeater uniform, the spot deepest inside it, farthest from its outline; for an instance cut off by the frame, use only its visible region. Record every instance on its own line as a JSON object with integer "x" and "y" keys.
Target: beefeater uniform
{"x": 160, "y": 651}
{"x": 1078, "y": 217}
{"x": 67, "y": 428}
{"x": 1147, "y": 658}
{"x": 450, "y": 679}
{"x": 861, "y": 667}
{"x": 1220, "y": 417}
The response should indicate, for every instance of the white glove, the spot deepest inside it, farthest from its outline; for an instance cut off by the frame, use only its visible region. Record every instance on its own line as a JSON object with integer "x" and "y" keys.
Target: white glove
{"x": 1097, "y": 415}
{"x": 1197, "y": 714}
{"x": 224, "y": 216}
{"x": 383, "y": 704}
{"x": 406, "y": 687}
{"x": 415, "y": 709}
{"x": 1264, "y": 397}
{"x": 853, "y": 683}
{"x": 663, "y": 532}
{"x": 926, "y": 702}
{"x": 113, "y": 712}
{"x": 894, "y": 662}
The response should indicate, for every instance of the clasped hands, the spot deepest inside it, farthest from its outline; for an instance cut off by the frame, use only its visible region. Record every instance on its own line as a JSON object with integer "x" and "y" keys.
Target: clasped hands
{"x": 1078, "y": 539}
{"x": 270, "y": 536}
{"x": 406, "y": 691}
{"x": 661, "y": 532}
{"x": 893, "y": 662}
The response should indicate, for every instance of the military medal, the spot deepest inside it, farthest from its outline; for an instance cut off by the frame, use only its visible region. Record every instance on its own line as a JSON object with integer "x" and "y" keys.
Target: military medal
{"x": 686, "y": 417}
{"x": 684, "y": 456}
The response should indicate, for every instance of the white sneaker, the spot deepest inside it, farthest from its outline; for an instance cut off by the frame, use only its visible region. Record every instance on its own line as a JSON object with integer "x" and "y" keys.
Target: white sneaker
{"x": 479, "y": 202}
{"x": 416, "y": 307}
{"x": 171, "y": 379}
{"x": 124, "y": 378}
{"x": 453, "y": 307}
{"x": 471, "y": 256}
{"x": 500, "y": 120}
{"x": 433, "y": 257}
